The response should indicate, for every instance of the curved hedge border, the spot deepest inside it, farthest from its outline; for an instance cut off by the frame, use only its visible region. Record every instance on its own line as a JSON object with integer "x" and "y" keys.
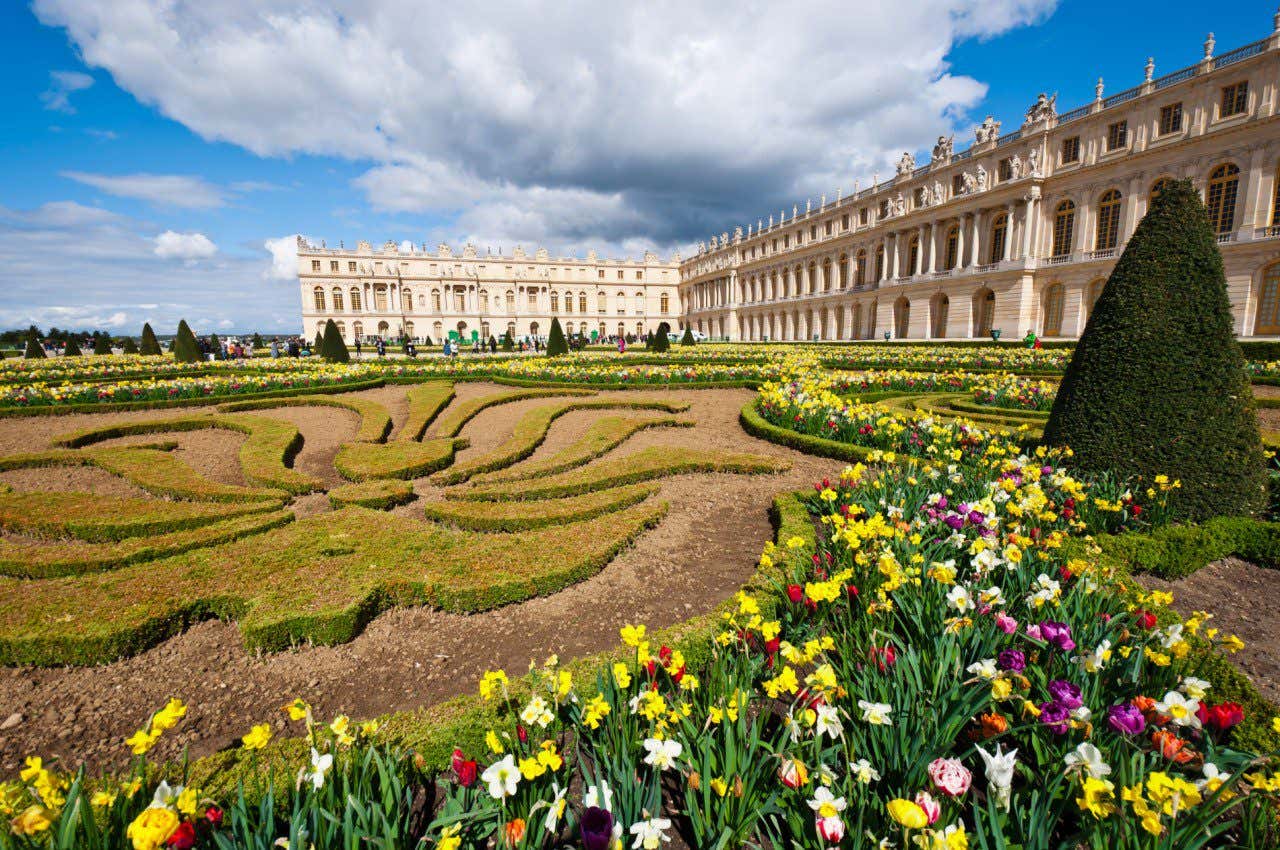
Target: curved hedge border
{"x": 398, "y": 459}
{"x": 757, "y": 426}
{"x": 453, "y": 420}
{"x": 100, "y": 519}
{"x": 39, "y": 560}
{"x": 375, "y": 421}
{"x": 623, "y": 385}
{"x": 426, "y": 400}
{"x": 378, "y": 495}
{"x": 602, "y": 436}
{"x": 523, "y": 516}
{"x": 1177, "y": 551}
{"x": 203, "y": 401}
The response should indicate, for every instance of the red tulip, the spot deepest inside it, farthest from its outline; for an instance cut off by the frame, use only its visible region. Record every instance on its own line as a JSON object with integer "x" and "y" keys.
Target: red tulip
{"x": 183, "y": 838}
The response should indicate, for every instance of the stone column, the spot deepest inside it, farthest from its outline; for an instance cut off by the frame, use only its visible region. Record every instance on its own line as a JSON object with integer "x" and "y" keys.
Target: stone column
{"x": 975, "y": 251}
{"x": 1008, "y": 231}
{"x": 1080, "y": 238}
{"x": 892, "y": 257}
{"x": 735, "y": 331}
{"x": 1254, "y": 198}
{"x": 1029, "y": 228}
{"x": 920, "y": 254}
{"x": 960, "y": 224}
{"x": 847, "y": 325}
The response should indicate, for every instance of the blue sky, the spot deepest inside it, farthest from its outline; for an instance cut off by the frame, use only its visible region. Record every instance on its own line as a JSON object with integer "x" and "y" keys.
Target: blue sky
{"x": 152, "y": 150}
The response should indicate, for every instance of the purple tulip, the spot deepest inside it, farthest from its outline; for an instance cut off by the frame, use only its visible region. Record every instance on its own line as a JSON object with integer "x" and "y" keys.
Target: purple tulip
{"x": 1126, "y": 719}
{"x": 1011, "y": 659}
{"x": 977, "y": 517}
{"x": 1065, "y": 693}
{"x": 1056, "y": 716}
{"x": 955, "y": 521}
{"x": 1057, "y": 634}
{"x": 942, "y": 503}
{"x": 597, "y": 828}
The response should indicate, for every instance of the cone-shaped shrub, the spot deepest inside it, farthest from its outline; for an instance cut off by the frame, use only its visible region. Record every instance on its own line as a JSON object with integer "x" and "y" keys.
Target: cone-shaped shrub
{"x": 72, "y": 348}
{"x": 185, "y": 349}
{"x": 508, "y": 344}
{"x": 661, "y": 342}
{"x": 319, "y": 343}
{"x": 215, "y": 347}
{"x": 35, "y": 351}
{"x": 556, "y": 343}
{"x": 102, "y": 345}
{"x": 150, "y": 345}
{"x": 257, "y": 341}
{"x": 687, "y": 339}
{"x": 332, "y": 348}
{"x": 129, "y": 346}
{"x": 1157, "y": 383}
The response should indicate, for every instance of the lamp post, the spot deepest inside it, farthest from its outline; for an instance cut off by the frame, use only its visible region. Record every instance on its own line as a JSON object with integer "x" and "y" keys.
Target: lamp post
{"x": 995, "y": 334}
{"x": 886, "y": 336}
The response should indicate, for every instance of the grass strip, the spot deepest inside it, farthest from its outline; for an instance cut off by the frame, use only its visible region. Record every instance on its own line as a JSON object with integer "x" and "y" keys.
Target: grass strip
{"x": 375, "y": 420}
{"x": 104, "y": 519}
{"x": 397, "y": 459}
{"x": 378, "y": 495}
{"x": 425, "y": 403}
{"x": 644, "y": 465}
{"x": 458, "y": 415}
{"x": 201, "y": 401}
{"x": 31, "y": 559}
{"x": 531, "y": 429}
{"x": 523, "y": 516}
{"x": 602, "y": 436}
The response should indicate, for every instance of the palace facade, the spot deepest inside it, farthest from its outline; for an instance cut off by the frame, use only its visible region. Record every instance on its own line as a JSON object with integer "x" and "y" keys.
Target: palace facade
{"x": 1018, "y": 232}
{"x": 415, "y": 294}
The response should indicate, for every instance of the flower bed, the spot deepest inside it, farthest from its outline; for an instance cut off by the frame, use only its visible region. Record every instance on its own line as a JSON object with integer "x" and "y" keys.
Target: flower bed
{"x": 1014, "y": 393}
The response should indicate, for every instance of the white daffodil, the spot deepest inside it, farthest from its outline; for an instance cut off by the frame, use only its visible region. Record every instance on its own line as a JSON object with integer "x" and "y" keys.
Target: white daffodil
{"x": 1193, "y": 687}
{"x": 828, "y": 722}
{"x": 876, "y": 713}
{"x": 984, "y": 669}
{"x": 992, "y": 596}
{"x": 1179, "y": 709}
{"x": 556, "y": 807}
{"x": 320, "y": 765}
{"x": 599, "y": 797}
{"x": 650, "y": 833}
{"x": 537, "y": 713}
{"x": 959, "y": 598}
{"x": 502, "y": 777}
{"x": 1093, "y": 662}
{"x": 862, "y": 771}
{"x": 1088, "y": 758}
{"x": 165, "y": 796}
{"x": 662, "y": 753}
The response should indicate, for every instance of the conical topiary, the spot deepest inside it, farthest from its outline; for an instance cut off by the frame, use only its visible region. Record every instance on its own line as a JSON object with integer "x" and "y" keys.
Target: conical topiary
{"x": 257, "y": 342}
{"x": 319, "y": 342}
{"x": 508, "y": 344}
{"x": 660, "y": 339}
{"x": 215, "y": 348}
{"x": 35, "y": 351}
{"x": 129, "y": 346}
{"x": 150, "y": 345}
{"x": 102, "y": 345}
{"x": 185, "y": 349}
{"x": 1157, "y": 383}
{"x": 688, "y": 339}
{"x": 556, "y": 343}
{"x": 72, "y": 348}
{"x": 331, "y": 346}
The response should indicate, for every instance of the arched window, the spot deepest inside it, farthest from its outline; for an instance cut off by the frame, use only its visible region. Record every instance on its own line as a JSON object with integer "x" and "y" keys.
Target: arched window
{"x": 939, "y": 308}
{"x": 355, "y": 300}
{"x": 984, "y": 312}
{"x": 952, "y": 256}
{"x": 555, "y": 302}
{"x": 1224, "y": 184}
{"x": 317, "y": 296}
{"x": 1094, "y": 293}
{"x": 844, "y": 271}
{"x": 337, "y": 300}
{"x": 621, "y": 302}
{"x": 664, "y": 303}
{"x": 880, "y": 261}
{"x": 1108, "y": 232}
{"x": 435, "y": 301}
{"x": 511, "y": 301}
{"x": 568, "y": 302}
{"x": 860, "y": 267}
{"x": 357, "y": 330}
{"x": 602, "y": 302}
{"x": 1052, "y": 299}
{"x": 408, "y": 330}
{"x": 582, "y": 302}
{"x": 913, "y": 254}
{"x": 342, "y": 329}
{"x": 380, "y": 298}
{"x": 1275, "y": 200}
{"x": 999, "y": 233}
{"x": 1064, "y": 228}
{"x": 639, "y": 296}
{"x": 901, "y": 317}
{"x": 1268, "y": 321}
{"x": 406, "y": 300}
{"x": 1156, "y": 188}
{"x": 484, "y": 303}
{"x": 438, "y": 330}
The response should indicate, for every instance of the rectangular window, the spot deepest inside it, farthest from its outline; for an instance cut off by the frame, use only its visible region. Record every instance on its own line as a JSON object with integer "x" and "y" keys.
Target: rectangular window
{"x": 601, "y": 274}
{"x": 1170, "y": 119}
{"x": 315, "y": 265}
{"x": 786, "y": 241}
{"x": 333, "y": 265}
{"x": 884, "y": 209}
{"x": 1117, "y": 135}
{"x": 620, "y": 274}
{"x": 829, "y": 228}
{"x": 863, "y": 215}
{"x": 917, "y": 198}
{"x": 1235, "y": 99}
{"x": 639, "y": 275}
{"x": 533, "y": 301}
{"x": 957, "y": 184}
{"x": 1005, "y": 169}
{"x": 813, "y": 232}
{"x": 1275, "y": 201}
{"x": 351, "y": 266}
{"x": 844, "y": 222}
{"x": 1071, "y": 150}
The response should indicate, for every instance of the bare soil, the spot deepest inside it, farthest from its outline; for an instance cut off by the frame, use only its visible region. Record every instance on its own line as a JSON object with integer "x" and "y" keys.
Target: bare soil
{"x": 699, "y": 555}
{"x": 1244, "y": 600}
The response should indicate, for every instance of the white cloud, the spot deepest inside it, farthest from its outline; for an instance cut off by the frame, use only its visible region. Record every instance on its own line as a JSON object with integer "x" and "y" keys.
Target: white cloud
{"x": 174, "y": 190}
{"x": 569, "y": 123}
{"x": 171, "y": 245}
{"x": 284, "y": 258}
{"x": 62, "y": 84}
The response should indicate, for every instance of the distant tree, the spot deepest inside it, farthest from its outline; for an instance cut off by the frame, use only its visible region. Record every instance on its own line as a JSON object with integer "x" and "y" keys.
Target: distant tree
{"x": 215, "y": 347}
{"x": 102, "y": 345}
{"x": 185, "y": 349}
{"x": 332, "y": 348}
{"x": 1157, "y": 384}
{"x": 257, "y": 341}
{"x": 556, "y": 343}
{"x": 426, "y": 341}
{"x": 129, "y": 346}
{"x": 72, "y": 348}
{"x": 150, "y": 345}
{"x": 35, "y": 351}
{"x": 688, "y": 339}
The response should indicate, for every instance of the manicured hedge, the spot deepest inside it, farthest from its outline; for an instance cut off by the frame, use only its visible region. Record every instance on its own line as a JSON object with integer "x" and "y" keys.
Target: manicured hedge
{"x": 644, "y": 465}
{"x": 375, "y": 420}
{"x": 425, "y": 403}
{"x": 103, "y": 519}
{"x": 531, "y": 430}
{"x": 43, "y": 559}
{"x": 1177, "y": 551}
{"x": 397, "y": 459}
{"x": 523, "y": 516}
{"x": 378, "y": 495}
{"x": 757, "y": 426}
{"x": 459, "y": 415}
{"x": 602, "y": 435}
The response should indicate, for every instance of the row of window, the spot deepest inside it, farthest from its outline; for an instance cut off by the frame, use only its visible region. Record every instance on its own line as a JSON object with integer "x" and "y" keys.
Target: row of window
{"x": 351, "y": 269}
{"x": 409, "y": 330}
{"x": 335, "y": 300}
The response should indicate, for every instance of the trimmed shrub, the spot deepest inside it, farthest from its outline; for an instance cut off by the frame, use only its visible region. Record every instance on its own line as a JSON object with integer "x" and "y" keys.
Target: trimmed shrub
{"x": 35, "y": 351}
{"x": 508, "y": 344}
{"x": 319, "y": 343}
{"x": 257, "y": 341}
{"x": 1157, "y": 382}
{"x": 215, "y": 348}
{"x": 425, "y": 403}
{"x": 332, "y": 348}
{"x": 556, "y": 343}
{"x": 661, "y": 342}
{"x": 129, "y": 346}
{"x": 403, "y": 459}
{"x": 378, "y": 495}
{"x": 523, "y": 516}
{"x": 72, "y": 348}
{"x": 185, "y": 349}
{"x": 150, "y": 345}
{"x": 688, "y": 339}
{"x": 102, "y": 345}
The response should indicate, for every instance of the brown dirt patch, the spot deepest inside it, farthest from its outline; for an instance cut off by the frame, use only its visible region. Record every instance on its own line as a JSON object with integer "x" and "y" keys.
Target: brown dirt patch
{"x": 698, "y": 556}
{"x": 72, "y": 479}
{"x": 1244, "y": 600}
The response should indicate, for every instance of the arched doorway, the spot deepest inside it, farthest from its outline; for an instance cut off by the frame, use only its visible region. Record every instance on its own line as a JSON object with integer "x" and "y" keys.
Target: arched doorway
{"x": 383, "y": 330}
{"x": 901, "y": 317}
{"x": 984, "y": 312}
{"x": 939, "y": 308}
{"x": 1268, "y": 320}
{"x": 1051, "y": 324}
{"x": 533, "y": 329}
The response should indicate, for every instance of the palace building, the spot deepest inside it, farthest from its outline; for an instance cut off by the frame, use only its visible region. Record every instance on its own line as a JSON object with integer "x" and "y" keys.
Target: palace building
{"x": 1018, "y": 232}
{"x": 414, "y": 294}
